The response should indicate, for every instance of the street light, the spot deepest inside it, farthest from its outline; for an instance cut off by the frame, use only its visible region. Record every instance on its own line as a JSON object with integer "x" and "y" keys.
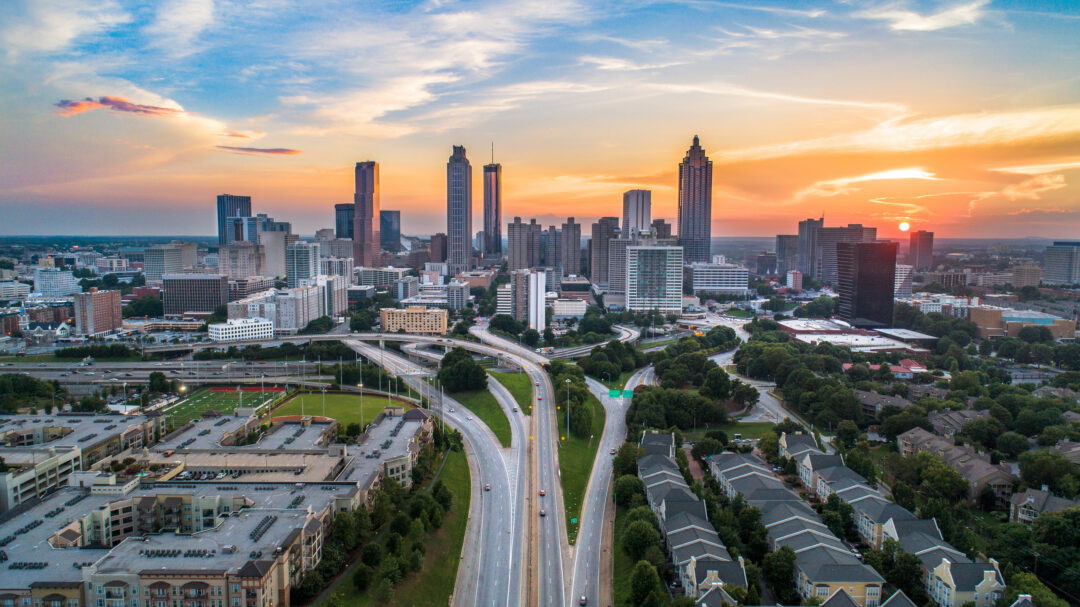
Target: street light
{"x": 568, "y": 408}
{"x": 324, "y": 401}
{"x": 361, "y": 386}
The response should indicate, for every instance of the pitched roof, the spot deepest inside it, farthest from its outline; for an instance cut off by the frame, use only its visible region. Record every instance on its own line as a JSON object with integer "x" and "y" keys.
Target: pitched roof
{"x": 968, "y": 575}
{"x": 840, "y": 598}
{"x": 898, "y": 599}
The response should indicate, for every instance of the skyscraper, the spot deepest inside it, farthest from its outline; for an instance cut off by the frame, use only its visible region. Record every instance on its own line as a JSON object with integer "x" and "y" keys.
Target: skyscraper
{"x": 438, "y": 247}
{"x": 695, "y": 204}
{"x": 660, "y": 229}
{"x": 867, "y": 282}
{"x": 921, "y": 250}
{"x": 301, "y": 262}
{"x": 825, "y": 251}
{"x": 603, "y": 231}
{"x": 366, "y": 214}
{"x": 654, "y": 278}
{"x": 524, "y": 242}
{"x": 1062, "y": 263}
{"x": 808, "y": 232}
{"x": 228, "y": 206}
{"x": 636, "y": 210}
{"x": 344, "y": 216}
{"x": 493, "y": 210}
{"x": 570, "y": 247}
{"x": 787, "y": 253}
{"x": 552, "y": 251}
{"x": 159, "y": 260}
{"x": 97, "y": 312}
{"x": 458, "y": 211}
{"x": 390, "y": 230}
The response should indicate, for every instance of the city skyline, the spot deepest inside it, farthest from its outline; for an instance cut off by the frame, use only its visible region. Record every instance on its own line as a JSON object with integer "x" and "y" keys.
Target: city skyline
{"x": 805, "y": 110}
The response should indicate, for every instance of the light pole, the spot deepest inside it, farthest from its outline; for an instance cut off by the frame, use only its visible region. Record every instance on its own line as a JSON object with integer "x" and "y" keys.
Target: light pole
{"x": 324, "y": 401}
{"x": 567, "y": 408}
{"x": 361, "y": 386}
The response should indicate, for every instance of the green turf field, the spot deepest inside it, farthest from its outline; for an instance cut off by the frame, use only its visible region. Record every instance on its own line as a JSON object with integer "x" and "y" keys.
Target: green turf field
{"x": 343, "y": 407}
{"x": 204, "y": 399}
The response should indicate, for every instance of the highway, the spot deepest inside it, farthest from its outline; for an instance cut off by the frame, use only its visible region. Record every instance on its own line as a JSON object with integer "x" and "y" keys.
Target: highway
{"x": 491, "y": 566}
{"x": 626, "y": 335}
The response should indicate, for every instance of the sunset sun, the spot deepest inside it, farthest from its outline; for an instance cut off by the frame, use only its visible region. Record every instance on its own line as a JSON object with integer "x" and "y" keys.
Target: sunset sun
{"x": 904, "y": 226}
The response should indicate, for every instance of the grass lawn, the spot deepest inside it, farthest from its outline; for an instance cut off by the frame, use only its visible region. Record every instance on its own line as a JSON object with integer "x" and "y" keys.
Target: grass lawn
{"x": 623, "y": 566}
{"x": 617, "y": 383}
{"x": 747, "y": 429}
{"x": 434, "y": 583}
{"x": 739, "y": 313}
{"x": 656, "y": 344}
{"x": 484, "y": 406}
{"x": 576, "y": 457}
{"x": 222, "y": 401}
{"x": 343, "y": 407}
{"x": 520, "y": 386}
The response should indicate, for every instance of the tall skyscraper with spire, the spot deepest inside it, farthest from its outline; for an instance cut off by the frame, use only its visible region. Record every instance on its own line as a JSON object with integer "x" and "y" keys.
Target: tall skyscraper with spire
{"x": 493, "y": 210}
{"x": 695, "y": 204}
{"x": 366, "y": 215}
{"x": 458, "y": 211}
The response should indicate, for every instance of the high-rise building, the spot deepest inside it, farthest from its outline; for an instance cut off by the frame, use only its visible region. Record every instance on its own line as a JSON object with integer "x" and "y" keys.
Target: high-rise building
{"x": 660, "y": 229}
{"x": 53, "y": 282}
{"x": 570, "y": 247}
{"x": 458, "y": 211}
{"x": 438, "y": 248}
{"x": 228, "y": 206}
{"x": 921, "y": 250}
{"x": 344, "y": 217}
{"x": 717, "y": 278}
{"x": 252, "y": 229}
{"x": 828, "y": 238}
{"x": 765, "y": 264}
{"x": 603, "y": 231}
{"x": 866, "y": 282}
{"x": 97, "y": 312}
{"x": 617, "y": 256}
{"x": 654, "y": 278}
{"x": 366, "y": 227}
{"x": 1062, "y": 263}
{"x": 636, "y": 210}
{"x": 390, "y": 230}
{"x": 337, "y": 266}
{"x": 194, "y": 293}
{"x": 324, "y": 235}
{"x": 552, "y": 251}
{"x": 189, "y": 253}
{"x": 273, "y": 244}
{"x": 159, "y": 260}
{"x": 492, "y": 211}
{"x": 524, "y": 242}
{"x": 240, "y": 260}
{"x": 695, "y": 203}
{"x": 787, "y": 253}
{"x": 794, "y": 280}
{"x": 902, "y": 282}
{"x": 301, "y": 262}
{"x": 526, "y": 297}
{"x": 1026, "y": 275}
{"x": 808, "y": 233}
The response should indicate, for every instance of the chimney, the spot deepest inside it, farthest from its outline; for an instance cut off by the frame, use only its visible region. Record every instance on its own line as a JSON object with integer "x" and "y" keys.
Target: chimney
{"x": 1046, "y": 488}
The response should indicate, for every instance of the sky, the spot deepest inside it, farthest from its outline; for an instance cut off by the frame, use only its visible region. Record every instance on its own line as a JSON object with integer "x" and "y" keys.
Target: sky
{"x": 957, "y": 116}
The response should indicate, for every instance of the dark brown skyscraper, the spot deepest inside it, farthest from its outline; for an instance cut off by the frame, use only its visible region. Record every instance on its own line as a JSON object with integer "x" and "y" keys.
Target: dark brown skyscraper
{"x": 438, "y": 247}
{"x": 867, "y": 272}
{"x": 493, "y": 210}
{"x": 695, "y": 204}
{"x": 366, "y": 215}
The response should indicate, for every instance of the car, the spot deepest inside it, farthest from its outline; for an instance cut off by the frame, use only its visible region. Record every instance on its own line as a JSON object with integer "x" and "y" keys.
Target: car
{"x": 542, "y": 513}
{"x": 611, "y": 452}
{"x": 583, "y": 600}
{"x": 515, "y": 409}
{"x": 538, "y": 397}
{"x": 543, "y": 493}
{"x": 451, "y": 409}
{"x": 537, "y": 384}
{"x": 468, "y": 417}
{"x": 487, "y": 487}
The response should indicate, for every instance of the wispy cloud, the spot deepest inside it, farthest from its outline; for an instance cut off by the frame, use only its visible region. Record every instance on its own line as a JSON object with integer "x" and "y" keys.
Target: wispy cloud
{"x": 732, "y": 90}
{"x": 53, "y": 25}
{"x": 252, "y": 134}
{"x": 1038, "y": 169}
{"x": 178, "y": 24}
{"x": 909, "y": 20}
{"x": 618, "y": 64}
{"x": 774, "y": 10}
{"x": 70, "y": 107}
{"x": 259, "y": 151}
{"x": 1034, "y": 188}
{"x": 844, "y": 185}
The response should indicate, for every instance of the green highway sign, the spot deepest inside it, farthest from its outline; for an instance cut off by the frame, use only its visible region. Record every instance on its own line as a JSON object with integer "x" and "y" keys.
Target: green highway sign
{"x": 614, "y": 393}
{"x": 628, "y": 394}
{"x": 573, "y": 521}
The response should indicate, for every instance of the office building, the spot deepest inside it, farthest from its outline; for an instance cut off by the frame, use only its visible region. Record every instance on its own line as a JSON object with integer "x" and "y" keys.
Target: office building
{"x": 437, "y": 248}
{"x": 765, "y": 264}
{"x": 636, "y": 211}
{"x": 660, "y": 229}
{"x": 366, "y": 214}
{"x": 390, "y": 230}
{"x": 695, "y": 203}
{"x": 415, "y": 320}
{"x": 241, "y": 329}
{"x": 902, "y": 289}
{"x": 228, "y": 206}
{"x": 459, "y": 211}
{"x": 617, "y": 256}
{"x": 288, "y": 309}
{"x": 251, "y": 229}
{"x": 827, "y": 239}
{"x": 274, "y": 244}
{"x": 1026, "y": 275}
{"x": 301, "y": 262}
{"x": 524, "y": 242}
{"x": 808, "y": 232}
{"x": 15, "y": 290}
{"x": 867, "y": 282}
{"x": 1062, "y": 263}
{"x": 344, "y": 218}
{"x": 194, "y": 293}
{"x": 404, "y": 288}
{"x": 380, "y": 277}
{"x": 570, "y": 247}
{"x": 189, "y": 253}
{"x": 337, "y": 266}
{"x": 654, "y": 278}
{"x": 97, "y": 312}
{"x": 332, "y": 294}
{"x": 717, "y": 278}
{"x": 239, "y": 288}
{"x": 109, "y": 265}
{"x": 794, "y": 280}
{"x": 603, "y": 232}
{"x": 492, "y": 244}
{"x": 523, "y": 298}
{"x": 240, "y": 259}
{"x": 159, "y": 260}
{"x": 994, "y": 321}
{"x": 53, "y": 282}
{"x": 552, "y": 250}
{"x": 787, "y": 253}
{"x": 921, "y": 250}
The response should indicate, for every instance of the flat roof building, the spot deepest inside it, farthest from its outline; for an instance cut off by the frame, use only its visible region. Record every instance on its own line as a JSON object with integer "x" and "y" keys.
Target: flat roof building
{"x": 194, "y": 293}
{"x": 414, "y": 319}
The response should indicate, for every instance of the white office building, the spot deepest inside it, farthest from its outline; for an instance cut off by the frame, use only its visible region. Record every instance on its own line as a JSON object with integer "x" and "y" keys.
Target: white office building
{"x": 51, "y": 282}
{"x": 719, "y": 278}
{"x": 654, "y": 278}
{"x": 241, "y": 329}
{"x": 504, "y": 300}
{"x": 1062, "y": 263}
{"x": 337, "y": 266}
{"x": 301, "y": 262}
{"x": 14, "y": 290}
{"x": 380, "y": 277}
{"x": 537, "y": 302}
{"x": 902, "y": 282}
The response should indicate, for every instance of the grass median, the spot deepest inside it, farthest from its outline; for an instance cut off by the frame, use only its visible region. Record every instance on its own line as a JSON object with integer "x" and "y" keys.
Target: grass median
{"x": 622, "y": 566}
{"x": 748, "y": 430}
{"x": 520, "y": 386}
{"x": 484, "y": 406}
{"x": 576, "y": 457}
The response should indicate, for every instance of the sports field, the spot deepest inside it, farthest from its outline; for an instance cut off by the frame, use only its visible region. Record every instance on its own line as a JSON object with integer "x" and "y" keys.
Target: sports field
{"x": 343, "y": 407}
{"x": 222, "y": 400}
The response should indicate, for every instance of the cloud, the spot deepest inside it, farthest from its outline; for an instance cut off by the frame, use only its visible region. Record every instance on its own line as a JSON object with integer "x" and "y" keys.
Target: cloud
{"x": 774, "y": 10}
{"x": 252, "y": 134}
{"x": 732, "y": 90}
{"x": 1038, "y": 169}
{"x": 842, "y": 186}
{"x": 765, "y": 33}
{"x": 70, "y": 107}
{"x": 53, "y": 25}
{"x": 1047, "y": 211}
{"x": 178, "y": 25}
{"x": 1032, "y": 189}
{"x": 259, "y": 151}
{"x": 618, "y": 64}
{"x": 907, "y": 20}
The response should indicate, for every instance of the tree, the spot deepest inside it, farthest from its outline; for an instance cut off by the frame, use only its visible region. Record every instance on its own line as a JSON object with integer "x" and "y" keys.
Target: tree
{"x": 1023, "y": 582}
{"x": 626, "y": 459}
{"x": 717, "y": 384}
{"x": 638, "y": 537}
{"x": 1049, "y": 467}
{"x": 706, "y": 447}
{"x": 778, "y": 568}
{"x": 383, "y": 592}
{"x": 372, "y": 554}
{"x": 644, "y": 581}
{"x": 158, "y": 382}
{"x": 458, "y": 372}
{"x": 847, "y": 433}
{"x": 1012, "y": 444}
{"x": 629, "y": 491}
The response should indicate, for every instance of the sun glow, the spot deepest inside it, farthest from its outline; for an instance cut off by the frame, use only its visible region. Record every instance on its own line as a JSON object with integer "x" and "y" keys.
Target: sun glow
{"x": 904, "y": 226}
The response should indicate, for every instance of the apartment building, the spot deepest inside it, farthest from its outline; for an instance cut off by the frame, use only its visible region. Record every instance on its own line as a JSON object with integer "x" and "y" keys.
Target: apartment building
{"x": 414, "y": 319}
